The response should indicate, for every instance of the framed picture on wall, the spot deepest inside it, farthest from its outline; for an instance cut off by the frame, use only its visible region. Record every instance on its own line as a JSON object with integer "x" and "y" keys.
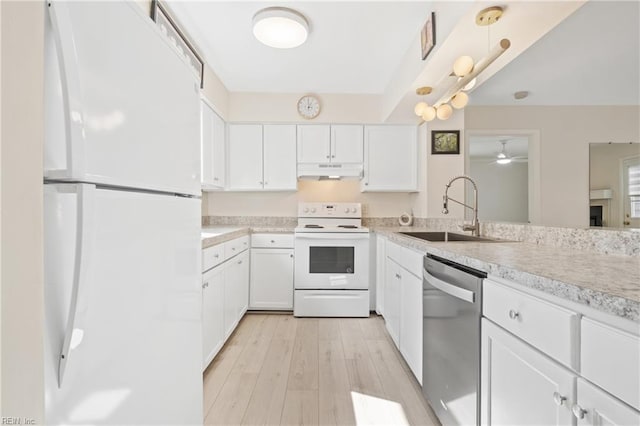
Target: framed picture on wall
{"x": 428, "y": 36}
{"x": 445, "y": 142}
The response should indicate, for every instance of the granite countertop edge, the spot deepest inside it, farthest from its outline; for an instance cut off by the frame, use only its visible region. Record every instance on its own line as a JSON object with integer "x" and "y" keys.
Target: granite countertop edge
{"x": 597, "y": 299}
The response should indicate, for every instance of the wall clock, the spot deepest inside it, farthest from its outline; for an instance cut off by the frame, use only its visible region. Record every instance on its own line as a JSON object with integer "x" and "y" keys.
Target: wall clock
{"x": 309, "y": 107}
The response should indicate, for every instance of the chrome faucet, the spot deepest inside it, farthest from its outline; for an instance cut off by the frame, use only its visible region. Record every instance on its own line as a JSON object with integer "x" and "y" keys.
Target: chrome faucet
{"x": 475, "y": 225}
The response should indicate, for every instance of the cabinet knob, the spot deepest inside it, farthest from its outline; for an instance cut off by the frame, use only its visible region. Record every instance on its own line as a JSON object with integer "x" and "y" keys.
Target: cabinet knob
{"x": 233, "y": 248}
{"x": 291, "y": 256}
{"x": 273, "y": 241}
{"x": 578, "y": 411}
{"x": 559, "y": 399}
{"x": 266, "y": 183}
{"x": 366, "y": 184}
{"x": 205, "y": 285}
{"x": 514, "y": 314}
{"x": 328, "y": 156}
{"x": 239, "y": 262}
{"x": 259, "y": 182}
{"x": 398, "y": 276}
{"x": 333, "y": 156}
{"x": 215, "y": 178}
{"x": 215, "y": 256}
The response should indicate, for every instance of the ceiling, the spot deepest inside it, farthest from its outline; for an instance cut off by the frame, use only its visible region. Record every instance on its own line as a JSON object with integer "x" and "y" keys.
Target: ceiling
{"x": 562, "y": 52}
{"x": 490, "y": 146}
{"x": 353, "y": 47}
{"x": 591, "y": 58}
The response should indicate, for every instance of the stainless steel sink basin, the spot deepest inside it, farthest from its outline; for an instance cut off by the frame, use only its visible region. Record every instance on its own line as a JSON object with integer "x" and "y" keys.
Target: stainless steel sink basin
{"x": 448, "y": 236}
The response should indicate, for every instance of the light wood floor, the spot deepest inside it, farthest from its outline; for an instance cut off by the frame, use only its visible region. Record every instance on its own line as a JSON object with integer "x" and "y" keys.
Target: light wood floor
{"x": 277, "y": 369}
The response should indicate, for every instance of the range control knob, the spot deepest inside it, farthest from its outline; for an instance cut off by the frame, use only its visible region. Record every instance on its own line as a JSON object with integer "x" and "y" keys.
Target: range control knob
{"x": 313, "y": 210}
{"x": 306, "y": 210}
{"x": 347, "y": 210}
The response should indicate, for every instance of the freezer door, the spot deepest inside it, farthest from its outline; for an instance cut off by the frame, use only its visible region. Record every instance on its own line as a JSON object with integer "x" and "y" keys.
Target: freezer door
{"x": 121, "y": 105}
{"x": 122, "y": 306}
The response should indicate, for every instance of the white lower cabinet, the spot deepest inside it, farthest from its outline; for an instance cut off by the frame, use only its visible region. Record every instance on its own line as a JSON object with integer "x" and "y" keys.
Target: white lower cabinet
{"x": 271, "y": 279}
{"x": 411, "y": 321}
{"x": 225, "y": 294}
{"x": 598, "y": 408}
{"x": 236, "y": 291}
{"x": 528, "y": 338}
{"x": 271, "y": 285}
{"x": 521, "y": 385}
{"x": 403, "y": 305}
{"x": 213, "y": 333}
{"x": 392, "y": 300}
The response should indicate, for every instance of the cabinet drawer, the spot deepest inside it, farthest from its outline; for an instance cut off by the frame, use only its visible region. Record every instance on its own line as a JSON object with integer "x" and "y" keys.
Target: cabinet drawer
{"x": 610, "y": 358}
{"x": 548, "y": 327}
{"x": 272, "y": 240}
{"x": 233, "y": 247}
{"x": 212, "y": 256}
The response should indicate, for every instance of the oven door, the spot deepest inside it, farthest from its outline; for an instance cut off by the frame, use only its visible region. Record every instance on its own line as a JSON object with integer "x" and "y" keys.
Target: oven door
{"x": 332, "y": 261}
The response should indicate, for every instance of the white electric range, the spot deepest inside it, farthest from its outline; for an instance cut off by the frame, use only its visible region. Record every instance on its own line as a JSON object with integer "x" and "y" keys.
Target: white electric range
{"x": 331, "y": 261}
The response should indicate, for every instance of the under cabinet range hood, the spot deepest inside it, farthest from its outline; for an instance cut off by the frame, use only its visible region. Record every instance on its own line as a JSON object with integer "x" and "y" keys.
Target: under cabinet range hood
{"x": 312, "y": 171}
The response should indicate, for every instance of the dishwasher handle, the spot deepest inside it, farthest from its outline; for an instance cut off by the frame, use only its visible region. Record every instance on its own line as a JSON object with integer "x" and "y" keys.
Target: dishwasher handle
{"x": 450, "y": 289}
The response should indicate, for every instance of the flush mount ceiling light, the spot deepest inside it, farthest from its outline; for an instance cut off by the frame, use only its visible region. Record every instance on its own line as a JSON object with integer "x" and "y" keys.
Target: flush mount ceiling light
{"x": 280, "y": 27}
{"x": 466, "y": 72}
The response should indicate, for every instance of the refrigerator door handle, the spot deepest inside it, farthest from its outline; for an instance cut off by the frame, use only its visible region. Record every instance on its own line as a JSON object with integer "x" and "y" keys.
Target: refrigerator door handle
{"x": 75, "y": 330}
{"x": 71, "y": 92}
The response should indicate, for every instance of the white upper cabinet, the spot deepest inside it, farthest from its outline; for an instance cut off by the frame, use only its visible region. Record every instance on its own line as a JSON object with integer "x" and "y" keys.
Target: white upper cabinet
{"x": 262, "y": 157}
{"x": 213, "y": 148}
{"x": 245, "y": 157}
{"x": 342, "y": 143}
{"x": 390, "y": 159}
{"x": 279, "y": 157}
{"x": 314, "y": 144}
{"x": 347, "y": 143}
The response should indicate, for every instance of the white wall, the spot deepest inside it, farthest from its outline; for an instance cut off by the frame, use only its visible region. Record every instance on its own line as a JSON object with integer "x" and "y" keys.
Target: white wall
{"x": 565, "y": 134}
{"x": 440, "y": 168}
{"x": 21, "y": 141}
{"x": 605, "y": 162}
{"x": 505, "y": 195}
{"x": 282, "y": 107}
{"x": 286, "y": 203}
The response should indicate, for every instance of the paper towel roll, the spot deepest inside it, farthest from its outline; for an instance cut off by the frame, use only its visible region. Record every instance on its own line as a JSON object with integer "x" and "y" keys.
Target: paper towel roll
{"x": 405, "y": 219}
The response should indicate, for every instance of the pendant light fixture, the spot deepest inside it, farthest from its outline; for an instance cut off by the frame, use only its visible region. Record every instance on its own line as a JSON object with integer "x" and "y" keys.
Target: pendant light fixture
{"x": 466, "y": 71}
{"x": 280, "y": 27}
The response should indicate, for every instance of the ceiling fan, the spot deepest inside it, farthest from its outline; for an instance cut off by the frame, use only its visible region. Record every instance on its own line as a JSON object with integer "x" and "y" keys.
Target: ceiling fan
{"x": 504, "y": 158}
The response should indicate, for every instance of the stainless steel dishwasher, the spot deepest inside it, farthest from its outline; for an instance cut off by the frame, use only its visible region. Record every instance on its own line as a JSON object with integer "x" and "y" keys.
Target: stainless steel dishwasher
{"x": 451, "y": 311}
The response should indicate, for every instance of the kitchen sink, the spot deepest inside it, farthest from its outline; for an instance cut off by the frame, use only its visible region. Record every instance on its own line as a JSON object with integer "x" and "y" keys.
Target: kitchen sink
{"x": 448, "y": 237}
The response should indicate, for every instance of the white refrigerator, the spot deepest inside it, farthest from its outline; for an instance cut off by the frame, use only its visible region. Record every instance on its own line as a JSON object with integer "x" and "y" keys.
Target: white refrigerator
{"x": 122, "y": 220}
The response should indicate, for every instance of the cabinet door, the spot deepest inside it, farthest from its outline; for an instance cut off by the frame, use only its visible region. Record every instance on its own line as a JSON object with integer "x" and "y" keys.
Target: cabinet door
{"x": 392, "y": 300}
{"x": 212, "y": 313}
{"x": 242, "y": 288}
{"x": 271, "y": 279}
{"x": 231, "y": 296}
{"x": 411, "y": 321}
{"x": 206, "y": 140}
{"x": 598, "y": 408}
{"x": 314, "y": 143}
{"x": 380, "y": 272}
{"x": 245, "y": 157}
{"x": 279, "y": 157}
{"x": 347, "y": 143}
{"x": 219, "y": 142}
{"x": 390, "y": 159}
{"x": 521, "y": 385}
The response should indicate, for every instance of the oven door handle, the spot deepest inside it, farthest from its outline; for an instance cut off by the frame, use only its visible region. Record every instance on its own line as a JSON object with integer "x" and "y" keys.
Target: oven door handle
{"x": 333, "y": 236}
{"x": 450, "y": 289}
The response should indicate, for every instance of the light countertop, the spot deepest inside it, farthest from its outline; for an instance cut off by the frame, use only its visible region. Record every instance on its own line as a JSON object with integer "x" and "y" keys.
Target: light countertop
{"x": 608, "y": 283}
